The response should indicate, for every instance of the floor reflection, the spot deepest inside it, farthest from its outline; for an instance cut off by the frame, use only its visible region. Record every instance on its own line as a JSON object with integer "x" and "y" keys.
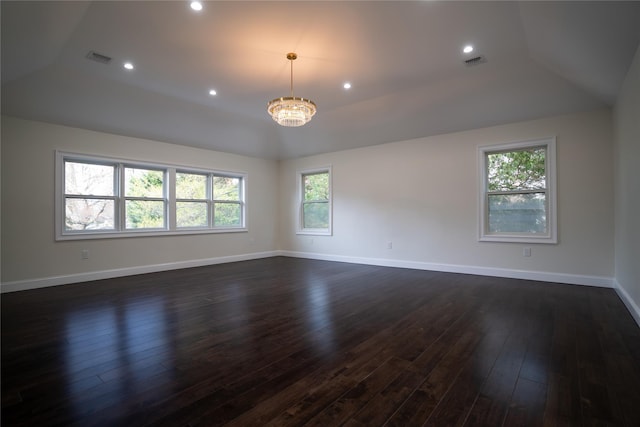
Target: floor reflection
{"x": 318, "y": 315}
{"x": 116, "y": 350}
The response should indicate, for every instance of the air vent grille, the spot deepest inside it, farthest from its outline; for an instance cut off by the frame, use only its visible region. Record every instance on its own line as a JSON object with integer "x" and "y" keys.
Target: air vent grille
{"x": 98, "y": 57}
{"x": 476, "y": 60}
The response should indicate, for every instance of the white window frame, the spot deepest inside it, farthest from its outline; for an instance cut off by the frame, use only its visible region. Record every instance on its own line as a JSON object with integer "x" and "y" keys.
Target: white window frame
{"x": 551, "y": 237}
{"x": 120, "y": 230}
{"x": 123, "y": 198}
{"x": 300, "y": 178}
{"x": 211, "y": 201}
{"x": 62, "y": 196}
{"x": 215, "y": 201}
{"x": 206, "y": 201}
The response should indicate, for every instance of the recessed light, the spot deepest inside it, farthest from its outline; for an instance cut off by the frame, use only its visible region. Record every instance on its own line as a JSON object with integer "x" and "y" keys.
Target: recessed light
{"x": 213, "y": 92}
{"x": 347, "y": 85}
{"x": 128, "y": 65}
{"x": 468, "y": 49}
{"x": 196, "y": 5}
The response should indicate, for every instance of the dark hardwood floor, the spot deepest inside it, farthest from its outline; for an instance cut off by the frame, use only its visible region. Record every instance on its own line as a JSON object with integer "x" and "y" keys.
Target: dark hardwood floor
{"x": 293, "y": 342}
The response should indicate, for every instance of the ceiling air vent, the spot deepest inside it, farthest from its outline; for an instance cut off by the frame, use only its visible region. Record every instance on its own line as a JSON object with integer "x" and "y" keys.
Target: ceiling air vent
{"x": 476, "y": 60}
{"x": 98, "y": 57}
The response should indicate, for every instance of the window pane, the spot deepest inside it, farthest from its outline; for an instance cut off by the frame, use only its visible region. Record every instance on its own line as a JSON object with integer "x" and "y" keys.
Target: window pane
{"x": 191, "y": 186}
{"x": 227, "y": 214}
{"x": 517, "y": 170}
{"x": 143, "y": 183}
{"x": 316, "y": 186}
{"x": 226, "y": 188}
{"x": 144, "y": 214}
{"x": 88, "y": 179}
{"x": 191, "y": 214}
{"x": 517, "y": 213}
{"x": 315, "y": 215}
{"x": 89, "y": 214}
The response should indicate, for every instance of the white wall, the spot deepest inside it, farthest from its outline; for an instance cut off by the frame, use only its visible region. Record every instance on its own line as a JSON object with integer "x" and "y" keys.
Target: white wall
{"x": 627, "y": 188}
{"x": 31, "y": 256}
{"x": 422, "y": 196}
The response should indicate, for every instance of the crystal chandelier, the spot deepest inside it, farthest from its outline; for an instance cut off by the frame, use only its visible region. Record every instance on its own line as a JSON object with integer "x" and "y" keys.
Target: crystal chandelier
{"x": 291, "y": 111}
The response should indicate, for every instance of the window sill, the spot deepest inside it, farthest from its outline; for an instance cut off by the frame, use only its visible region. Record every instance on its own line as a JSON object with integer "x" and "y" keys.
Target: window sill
{"x": 146, "y": 233}
{"x": 519, "y": 239}
{"x": 314, "y": 232}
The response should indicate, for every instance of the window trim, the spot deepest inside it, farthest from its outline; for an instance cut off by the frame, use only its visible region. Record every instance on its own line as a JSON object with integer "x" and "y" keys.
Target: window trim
{"x": 120, "y": 230}
{"x": 551, "y": 237}
{"x": 300, "y": 221}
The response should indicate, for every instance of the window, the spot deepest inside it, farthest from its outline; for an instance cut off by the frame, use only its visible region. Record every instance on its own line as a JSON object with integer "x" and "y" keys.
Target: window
{"x": 89, "y": 196}
{"x": 100, "y": 197}
{"x": 209, "y": 200}
{"x": 144, "y": 198}
{"x": 315, "y": 201}
{"x": 517, "y": 202}
{"x": 192, "y": 201}
{"x": 227, "y": 201}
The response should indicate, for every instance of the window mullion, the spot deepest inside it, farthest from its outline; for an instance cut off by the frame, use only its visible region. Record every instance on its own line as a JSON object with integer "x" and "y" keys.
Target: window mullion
{"x": 497, "y": 193}
{"x": 170, "y": 195}
{"x": 89, "y": 196}
{"x": 210, "y": 203}
{"x": 121, "y": 204}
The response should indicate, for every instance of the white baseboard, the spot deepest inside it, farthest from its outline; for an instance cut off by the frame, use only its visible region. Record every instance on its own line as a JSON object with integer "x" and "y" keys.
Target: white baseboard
{"x": 573, "y": 279}
{"x": 626, "y": 299}
{"x": 21, "y": 285}
{"x": 448, "y": 268}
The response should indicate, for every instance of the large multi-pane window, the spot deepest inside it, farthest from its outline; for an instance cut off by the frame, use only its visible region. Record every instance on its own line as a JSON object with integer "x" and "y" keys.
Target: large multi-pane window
{"x": 101, "y": 197}
{"x": 518, "y": 192}
{"x": 315, "y": 201}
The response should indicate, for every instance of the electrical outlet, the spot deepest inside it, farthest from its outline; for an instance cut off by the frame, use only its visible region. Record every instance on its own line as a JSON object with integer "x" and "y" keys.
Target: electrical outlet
{"x": 84, "y": 254}
{"x": 389, "y": 245}
{"x": 526, "y": 252}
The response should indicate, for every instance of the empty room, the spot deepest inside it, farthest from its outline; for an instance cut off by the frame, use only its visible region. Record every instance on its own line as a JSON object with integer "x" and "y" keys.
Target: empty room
{"x": 320, "y": 213}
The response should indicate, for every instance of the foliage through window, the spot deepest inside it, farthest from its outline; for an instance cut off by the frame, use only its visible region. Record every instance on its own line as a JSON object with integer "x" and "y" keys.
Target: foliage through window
{"x": 145, "y": 202}
{"x": 227, "y": 201}
{"x": 518, "y": 192}
{"x": 315, "y": 201}
{"x": 192, "y": 204}
{"x": 110, "y": 197}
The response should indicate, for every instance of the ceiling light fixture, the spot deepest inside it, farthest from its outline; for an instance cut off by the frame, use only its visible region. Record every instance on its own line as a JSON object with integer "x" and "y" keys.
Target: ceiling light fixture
{"x": 128, "y": 65}
{"x": 347, "y": 85}
{"x": 468, "y": 49}
{"x": 291, "y": 111}
{"x": 213, "y": 92}
{"x": 196, "y": 5}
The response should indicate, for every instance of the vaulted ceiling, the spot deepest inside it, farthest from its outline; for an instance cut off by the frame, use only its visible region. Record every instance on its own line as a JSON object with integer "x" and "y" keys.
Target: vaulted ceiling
{"x": 404, "y": 61}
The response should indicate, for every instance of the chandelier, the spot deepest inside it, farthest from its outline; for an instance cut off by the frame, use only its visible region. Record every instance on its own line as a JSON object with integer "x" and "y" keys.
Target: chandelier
{"x": 291, "y": 111}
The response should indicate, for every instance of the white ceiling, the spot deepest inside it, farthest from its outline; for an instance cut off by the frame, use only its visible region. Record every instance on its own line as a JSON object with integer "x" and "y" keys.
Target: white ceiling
{"x": 404, "y": 60}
